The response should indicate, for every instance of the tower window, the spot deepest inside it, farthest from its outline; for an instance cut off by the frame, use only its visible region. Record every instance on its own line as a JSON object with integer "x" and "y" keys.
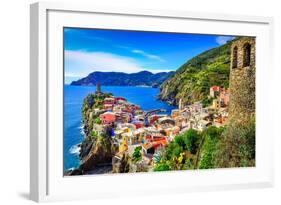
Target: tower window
{"x": 234, "y": 57}
{"x": 247, "y": 54}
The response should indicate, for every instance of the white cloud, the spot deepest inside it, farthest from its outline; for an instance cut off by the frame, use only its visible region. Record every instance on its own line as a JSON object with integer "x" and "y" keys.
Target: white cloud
{"x": 158, "y": 70}
{"x": 80, "y": 63}
{"x": 150, "y": 56}
{"x": 223, "y": 39}
{"x": 72, "y": 75}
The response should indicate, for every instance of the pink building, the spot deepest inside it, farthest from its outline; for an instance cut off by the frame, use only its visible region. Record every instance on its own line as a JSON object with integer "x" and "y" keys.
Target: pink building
{"x": 108, "y": 117}
{"x": 138, "y": 124}
{"x": 214, "y": 91}
{"x": 224, "y": 97}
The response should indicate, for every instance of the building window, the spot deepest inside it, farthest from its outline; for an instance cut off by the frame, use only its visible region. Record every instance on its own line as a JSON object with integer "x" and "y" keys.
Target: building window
{"x": 234, "y": 57}
{"x": 247, "y": 54}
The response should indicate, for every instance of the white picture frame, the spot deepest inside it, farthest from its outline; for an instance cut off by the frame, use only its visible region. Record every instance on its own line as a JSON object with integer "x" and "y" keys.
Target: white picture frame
{"x": 46, "y": 176}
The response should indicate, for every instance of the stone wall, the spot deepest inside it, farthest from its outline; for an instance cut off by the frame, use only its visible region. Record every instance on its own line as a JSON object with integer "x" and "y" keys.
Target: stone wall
{"x": 242, "y": 82}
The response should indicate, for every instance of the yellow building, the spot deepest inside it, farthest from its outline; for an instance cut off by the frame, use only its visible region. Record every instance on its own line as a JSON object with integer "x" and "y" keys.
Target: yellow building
{"x": 124, "y": 146}
{"x": 216, "y": 104}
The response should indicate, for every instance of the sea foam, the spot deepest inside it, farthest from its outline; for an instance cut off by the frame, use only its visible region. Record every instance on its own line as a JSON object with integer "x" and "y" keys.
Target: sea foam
{"x": 75, "y": 149}
{"x": 81, "y": 127}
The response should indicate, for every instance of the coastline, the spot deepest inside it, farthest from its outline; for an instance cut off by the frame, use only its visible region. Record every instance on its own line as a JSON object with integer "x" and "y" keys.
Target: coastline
{"x": 89, "y": 89}
{"x": 107, "y": 119}
{"x": 121, "y": 137}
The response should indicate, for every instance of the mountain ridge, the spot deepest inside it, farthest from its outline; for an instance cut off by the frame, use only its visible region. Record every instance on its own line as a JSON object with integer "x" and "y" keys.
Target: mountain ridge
{"x": 142, "y": 78}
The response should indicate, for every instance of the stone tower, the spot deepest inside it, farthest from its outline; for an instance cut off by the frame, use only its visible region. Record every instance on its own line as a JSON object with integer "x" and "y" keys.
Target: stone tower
{"x": 242, "y": 80}
{"x": 98, "y": 88}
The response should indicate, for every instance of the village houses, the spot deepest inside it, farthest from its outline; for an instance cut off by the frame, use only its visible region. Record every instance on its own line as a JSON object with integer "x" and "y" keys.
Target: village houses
{"x": 133, "y": 127}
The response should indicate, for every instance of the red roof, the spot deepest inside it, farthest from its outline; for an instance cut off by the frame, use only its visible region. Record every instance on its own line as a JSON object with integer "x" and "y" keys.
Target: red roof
{"x": 107, "y": 114}
{"x": 120, "y": 98}
{"x": 155, "y": 138}
{"x": 215, "y": 88}
{"x": 159, "y": 143}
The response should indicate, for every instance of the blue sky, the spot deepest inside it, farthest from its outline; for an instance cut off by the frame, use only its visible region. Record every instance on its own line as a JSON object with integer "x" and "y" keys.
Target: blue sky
{"x": 89, "y": 50}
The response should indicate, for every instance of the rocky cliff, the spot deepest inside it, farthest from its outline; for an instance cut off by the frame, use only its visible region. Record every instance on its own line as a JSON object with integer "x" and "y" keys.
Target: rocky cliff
{"x": 97, "y": 148}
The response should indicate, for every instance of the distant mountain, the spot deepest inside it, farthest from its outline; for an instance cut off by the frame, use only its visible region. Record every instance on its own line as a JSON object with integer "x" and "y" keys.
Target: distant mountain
{"x": 143, "y": 78}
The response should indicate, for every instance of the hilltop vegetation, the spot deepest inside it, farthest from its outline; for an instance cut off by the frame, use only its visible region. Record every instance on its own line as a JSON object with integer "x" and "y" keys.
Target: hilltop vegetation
{"x": 212, "y": 148}
{"x": 237, "y": 145}
{"x": 193, "y": 79}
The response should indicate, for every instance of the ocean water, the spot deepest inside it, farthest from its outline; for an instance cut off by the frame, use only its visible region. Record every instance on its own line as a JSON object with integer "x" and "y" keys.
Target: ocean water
{"x": 145, "y": 97}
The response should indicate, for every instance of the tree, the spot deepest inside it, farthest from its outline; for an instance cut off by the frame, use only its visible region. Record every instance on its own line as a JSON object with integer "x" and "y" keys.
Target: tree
{"x": 94, "y": 134}
{"x": 173, "y": 150}
{"x": 162, "y": 167}
{"x": 237, "y": 147}
{"x": 98, "y": 120}
{"x": 213, "y": 132}
{"x": 191, "y": 139}
{"x": 180, "y": 141}
{"x": 211, "y": 135}
{"x": 180, "y": 153}
{"x": 137, "y": 155}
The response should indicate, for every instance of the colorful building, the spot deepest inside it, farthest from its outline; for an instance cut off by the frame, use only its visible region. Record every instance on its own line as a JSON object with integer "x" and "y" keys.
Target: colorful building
{"x": 224, "y": 97}
{"x": 120, "y": 98}
{"x": 108, "y": 106}
{"x": 216, "y": 104}
{"x": 138, "y": 124}
{"x": 214, "y": 91}
{"x": 109, "y": 100}
{"x": 175, "y": 113}
{"x": 108, "y": 117}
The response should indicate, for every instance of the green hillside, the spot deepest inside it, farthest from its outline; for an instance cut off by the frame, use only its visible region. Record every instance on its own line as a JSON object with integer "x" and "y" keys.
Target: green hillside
{"x": 193, "y": 79}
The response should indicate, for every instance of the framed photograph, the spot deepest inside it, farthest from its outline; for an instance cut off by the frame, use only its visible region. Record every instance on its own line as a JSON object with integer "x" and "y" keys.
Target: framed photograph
{"x": 133, "y": 102}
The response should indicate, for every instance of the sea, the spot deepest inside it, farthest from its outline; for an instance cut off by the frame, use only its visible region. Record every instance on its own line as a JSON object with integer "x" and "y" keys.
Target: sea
{"x": 145, "y": 97}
